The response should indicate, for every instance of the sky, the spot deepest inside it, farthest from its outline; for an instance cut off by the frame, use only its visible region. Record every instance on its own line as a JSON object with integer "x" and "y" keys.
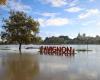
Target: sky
{"x": 59, "y": 17}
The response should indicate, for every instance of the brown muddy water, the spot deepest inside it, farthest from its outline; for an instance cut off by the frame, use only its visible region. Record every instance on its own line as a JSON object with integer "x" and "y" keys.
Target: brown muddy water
{"x": 33, "y": 66}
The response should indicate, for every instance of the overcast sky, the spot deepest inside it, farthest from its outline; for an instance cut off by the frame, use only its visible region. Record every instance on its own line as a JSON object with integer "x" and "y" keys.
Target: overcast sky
{"x": 59, "y": 17}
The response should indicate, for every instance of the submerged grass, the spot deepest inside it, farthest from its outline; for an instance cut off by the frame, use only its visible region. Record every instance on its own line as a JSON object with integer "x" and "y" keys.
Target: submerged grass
{"x": 5, "y": 49}
{"x": 83, "y": 50}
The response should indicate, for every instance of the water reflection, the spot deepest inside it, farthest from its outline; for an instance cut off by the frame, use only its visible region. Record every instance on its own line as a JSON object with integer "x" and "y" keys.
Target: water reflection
{"x": 19, "y": 67}
{"x": 80, "y": 66}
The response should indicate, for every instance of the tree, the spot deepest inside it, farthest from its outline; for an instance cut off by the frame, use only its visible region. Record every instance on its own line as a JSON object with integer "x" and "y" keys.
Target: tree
{"x": 3, "y": 2}
{"x": 19, "y": 28}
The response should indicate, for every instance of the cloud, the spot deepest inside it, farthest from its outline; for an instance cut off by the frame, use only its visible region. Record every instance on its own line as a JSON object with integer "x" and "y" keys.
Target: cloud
{"x": 17, "y": 6}
{"x": 55, "y": 3}
{"x": 49, "y": 34}
{"x": 73, "y": 9}
{"x": 92, "y": 0}
{"x": 97, "y": 23}
{"x": 73, "y": 3}
{"x": 53, "y": 21}
{"x": 89, "y": 13}
{"x": 60, "y": 3}
{"x": 89, "y": 22}
{"x": 48, "y": 14}
{"x": 58, "y": 21}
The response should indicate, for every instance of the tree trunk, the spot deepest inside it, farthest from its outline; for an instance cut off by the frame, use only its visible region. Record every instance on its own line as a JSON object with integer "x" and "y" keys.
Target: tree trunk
{"x": 20, "y": 48}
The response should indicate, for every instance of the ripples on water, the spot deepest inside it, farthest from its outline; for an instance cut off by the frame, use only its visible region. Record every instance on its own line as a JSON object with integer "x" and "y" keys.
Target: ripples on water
{"x": 81, "y": 66}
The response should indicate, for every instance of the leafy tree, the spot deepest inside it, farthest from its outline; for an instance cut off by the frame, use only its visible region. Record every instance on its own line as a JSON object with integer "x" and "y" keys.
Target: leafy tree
{"x": 20, "y": 28}
{"x": 3, "y": 2}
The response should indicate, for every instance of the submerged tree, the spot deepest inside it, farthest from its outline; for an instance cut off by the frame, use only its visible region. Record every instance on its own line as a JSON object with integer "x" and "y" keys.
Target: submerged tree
{"x": 20, "y": 28}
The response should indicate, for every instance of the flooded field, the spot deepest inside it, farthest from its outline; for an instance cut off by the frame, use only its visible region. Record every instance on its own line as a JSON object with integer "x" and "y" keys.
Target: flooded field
{"x": 84, "y": 65}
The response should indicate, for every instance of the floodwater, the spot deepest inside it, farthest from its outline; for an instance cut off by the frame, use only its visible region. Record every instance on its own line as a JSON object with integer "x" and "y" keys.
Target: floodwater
{"x": 33, "y": 66}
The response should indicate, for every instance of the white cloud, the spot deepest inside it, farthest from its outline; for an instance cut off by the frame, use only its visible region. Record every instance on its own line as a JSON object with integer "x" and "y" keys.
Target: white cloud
{"x": 53, "y": 21}
{"x": 42, "y": 21}
{"x": 48, "y": 14}
{"x": 92, "y": 0}
{"x": 89, "y": 13}
{"x": 48, "y": 33}
{"x": 98, "y": 24}
{"x": 73, "y": 3}
{"x": 87, "y": 23}
{"x": 17, "y": 6}
{"x": 57, "y": 21}
{"x": 55, "y": 3}
{"x": 73, "y": 9}
{"x": 60, "y": 3}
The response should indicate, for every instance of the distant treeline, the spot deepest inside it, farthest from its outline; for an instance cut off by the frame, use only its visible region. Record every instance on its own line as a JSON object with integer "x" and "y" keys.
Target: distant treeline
{"x": 80, "y": 39}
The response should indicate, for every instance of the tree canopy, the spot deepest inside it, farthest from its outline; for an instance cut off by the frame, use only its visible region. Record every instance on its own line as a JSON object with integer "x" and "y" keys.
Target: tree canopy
{"x": 20, "y": 28}
{"x": 3, "y": 2}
